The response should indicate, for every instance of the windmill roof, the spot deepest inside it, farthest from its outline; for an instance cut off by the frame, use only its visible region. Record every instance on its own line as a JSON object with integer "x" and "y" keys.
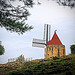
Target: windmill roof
{"x": 55, "y": 40}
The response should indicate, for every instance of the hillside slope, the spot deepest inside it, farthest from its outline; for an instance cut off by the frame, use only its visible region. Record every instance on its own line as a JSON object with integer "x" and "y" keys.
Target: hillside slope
{"x": 55, "y": 66}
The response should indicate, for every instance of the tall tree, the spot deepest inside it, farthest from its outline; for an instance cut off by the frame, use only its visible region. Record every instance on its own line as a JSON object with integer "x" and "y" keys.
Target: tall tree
{"x": 2, "y": 50}
{"x": 12, "y": 17}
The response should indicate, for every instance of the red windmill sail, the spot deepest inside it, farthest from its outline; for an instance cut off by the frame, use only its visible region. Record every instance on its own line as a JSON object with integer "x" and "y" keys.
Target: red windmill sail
{"x": 55, "y": 40}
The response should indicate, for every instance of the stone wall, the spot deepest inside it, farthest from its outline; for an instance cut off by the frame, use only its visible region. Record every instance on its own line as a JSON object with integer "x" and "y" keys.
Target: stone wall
{"x": 55, "y": 50}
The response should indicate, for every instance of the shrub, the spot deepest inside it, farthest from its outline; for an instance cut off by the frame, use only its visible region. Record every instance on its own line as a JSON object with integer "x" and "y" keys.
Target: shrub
{"x": 72, "y": 47}
{"x": 15, "y": 73}
{"x": 54, "y": 58}
{"x": 28, "y": 72}
{"x": 2, "y": 50}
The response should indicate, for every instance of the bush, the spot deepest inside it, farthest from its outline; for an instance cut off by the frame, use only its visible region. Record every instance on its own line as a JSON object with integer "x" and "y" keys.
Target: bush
{"x": 15, "y": 73}
{"x": 72, "y": 47}
{"x": 54, "y": 58}
{"x": 28, "y": 72}
{"x": 2, "y": 50}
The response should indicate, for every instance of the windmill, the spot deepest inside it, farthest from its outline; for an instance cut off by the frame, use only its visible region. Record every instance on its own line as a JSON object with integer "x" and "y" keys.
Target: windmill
{"x": 42, "y": 43}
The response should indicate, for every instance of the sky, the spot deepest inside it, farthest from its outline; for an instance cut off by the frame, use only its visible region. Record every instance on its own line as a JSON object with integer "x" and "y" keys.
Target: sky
{"x": 60, "y": 18}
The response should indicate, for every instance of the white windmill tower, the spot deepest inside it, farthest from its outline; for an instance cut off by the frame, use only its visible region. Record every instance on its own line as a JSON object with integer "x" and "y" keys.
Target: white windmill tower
{"x": 42, "y": 43}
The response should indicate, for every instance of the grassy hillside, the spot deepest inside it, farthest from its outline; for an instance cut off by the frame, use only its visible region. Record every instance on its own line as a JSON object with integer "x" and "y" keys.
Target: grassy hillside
{"x": 55, "y": 66}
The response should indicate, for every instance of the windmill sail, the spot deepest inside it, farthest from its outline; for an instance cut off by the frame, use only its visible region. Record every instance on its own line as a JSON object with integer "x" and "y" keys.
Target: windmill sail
{"x": 42, "y": 43}
{"x": 47, "y": 29}
{"x": 46, "y": 35}
{"x": 38, "y": 43}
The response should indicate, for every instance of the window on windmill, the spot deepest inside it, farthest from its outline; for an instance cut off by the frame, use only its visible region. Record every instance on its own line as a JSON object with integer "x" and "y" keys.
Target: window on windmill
{"x": 49, "y": 49}
{"x": 48, "y": 54}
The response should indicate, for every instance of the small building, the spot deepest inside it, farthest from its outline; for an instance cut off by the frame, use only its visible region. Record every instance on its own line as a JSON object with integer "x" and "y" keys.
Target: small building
{"x": 54, "y": 47}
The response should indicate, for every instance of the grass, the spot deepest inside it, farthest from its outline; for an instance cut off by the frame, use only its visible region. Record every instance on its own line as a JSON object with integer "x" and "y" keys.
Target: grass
{"x": 56, "y": 66}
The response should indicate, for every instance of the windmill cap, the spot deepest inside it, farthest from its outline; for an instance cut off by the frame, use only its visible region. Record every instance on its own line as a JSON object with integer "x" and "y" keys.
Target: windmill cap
{"x": 55, "y": 40}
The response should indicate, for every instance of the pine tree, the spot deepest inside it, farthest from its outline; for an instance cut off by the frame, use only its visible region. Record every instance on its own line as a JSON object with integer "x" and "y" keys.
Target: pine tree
{"x": 13, "y": 18}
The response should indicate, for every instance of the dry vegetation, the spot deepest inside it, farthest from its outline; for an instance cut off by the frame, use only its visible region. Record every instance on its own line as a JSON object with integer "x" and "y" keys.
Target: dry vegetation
{"x": 55, "y": 66}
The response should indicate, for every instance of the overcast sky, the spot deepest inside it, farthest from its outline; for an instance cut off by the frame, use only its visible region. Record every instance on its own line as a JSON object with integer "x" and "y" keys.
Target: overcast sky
{"x": 60, "y": 18}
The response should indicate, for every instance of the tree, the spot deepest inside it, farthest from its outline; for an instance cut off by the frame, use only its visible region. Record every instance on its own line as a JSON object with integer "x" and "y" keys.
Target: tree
{"x": 69, "y": 3}
{"x": 2, "y": 50}
{"x": 72, "y": 47}
{"x": 20, "y": 58}
{"x": 13, "y": 18}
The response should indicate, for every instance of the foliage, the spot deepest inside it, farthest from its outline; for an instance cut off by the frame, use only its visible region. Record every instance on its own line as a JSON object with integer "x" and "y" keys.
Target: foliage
{"x": 61, "y": 66}
{"x": 20, "y": 58}
{"x": 2, "y": 50}
{"x": 13, "y": 18}
{"x": 72, "y": 47}
{"x": 69, "y": 3}
{"x": 15, "y": 73}
{"x": 54, "y": 58}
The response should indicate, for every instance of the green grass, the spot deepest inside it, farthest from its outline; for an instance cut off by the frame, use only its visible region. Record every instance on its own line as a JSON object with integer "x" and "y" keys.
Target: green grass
{"x": 61, "y": 66}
